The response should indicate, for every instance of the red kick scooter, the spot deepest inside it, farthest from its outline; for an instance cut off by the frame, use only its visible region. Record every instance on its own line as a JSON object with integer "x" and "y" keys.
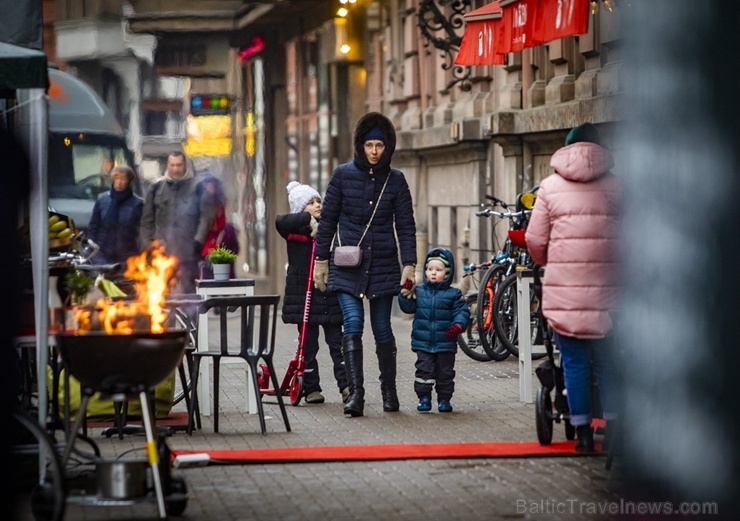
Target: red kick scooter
{"x": 292, "y": 384}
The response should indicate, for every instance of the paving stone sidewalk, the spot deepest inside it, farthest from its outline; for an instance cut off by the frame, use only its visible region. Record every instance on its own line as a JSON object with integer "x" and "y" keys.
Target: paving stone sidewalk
{"x": 487, "y": 408}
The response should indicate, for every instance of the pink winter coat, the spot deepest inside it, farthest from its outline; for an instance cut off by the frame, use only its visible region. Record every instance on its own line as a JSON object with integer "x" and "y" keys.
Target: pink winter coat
{"x": 574, "y": 230}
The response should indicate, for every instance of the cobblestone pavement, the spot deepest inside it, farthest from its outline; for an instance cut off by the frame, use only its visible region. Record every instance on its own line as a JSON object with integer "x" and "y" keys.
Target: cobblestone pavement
{"x": 487, "y": 408}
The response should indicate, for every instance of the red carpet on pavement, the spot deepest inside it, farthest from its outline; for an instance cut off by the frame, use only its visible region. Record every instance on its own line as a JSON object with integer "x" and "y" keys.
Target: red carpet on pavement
{"x": 389, "y": 452}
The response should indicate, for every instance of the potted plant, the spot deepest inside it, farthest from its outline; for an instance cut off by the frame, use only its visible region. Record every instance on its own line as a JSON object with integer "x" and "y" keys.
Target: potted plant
{"x": 221, "y": 259}
{"x": 78, "y": 285}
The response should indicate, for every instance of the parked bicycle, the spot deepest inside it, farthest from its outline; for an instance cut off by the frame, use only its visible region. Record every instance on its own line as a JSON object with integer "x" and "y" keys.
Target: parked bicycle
{"x": 469, "y": 342}
{"x": 504, "y": 264}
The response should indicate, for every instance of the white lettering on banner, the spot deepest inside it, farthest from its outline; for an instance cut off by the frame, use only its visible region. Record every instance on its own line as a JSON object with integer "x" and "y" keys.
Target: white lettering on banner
{"x": 520, "y": 15}
{"x": 559, "y": 18}
{"x": 485, "y": 40}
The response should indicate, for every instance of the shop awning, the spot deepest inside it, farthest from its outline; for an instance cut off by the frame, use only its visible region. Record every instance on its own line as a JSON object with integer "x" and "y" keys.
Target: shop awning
{"x": 517, "y": 24}
{"x": 557, "y": 19}
{"x": 22, "y": 68}
{"x": 481, "y": 37}
{"x": 505, "y": 26}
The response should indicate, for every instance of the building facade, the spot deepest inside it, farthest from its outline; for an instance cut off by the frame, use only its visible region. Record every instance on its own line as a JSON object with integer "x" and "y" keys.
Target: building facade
{"x": 299, "y": 75}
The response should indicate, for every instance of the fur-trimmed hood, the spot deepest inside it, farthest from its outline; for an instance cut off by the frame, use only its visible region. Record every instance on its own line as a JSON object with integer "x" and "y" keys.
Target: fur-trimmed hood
{"x": 366, "y": 123}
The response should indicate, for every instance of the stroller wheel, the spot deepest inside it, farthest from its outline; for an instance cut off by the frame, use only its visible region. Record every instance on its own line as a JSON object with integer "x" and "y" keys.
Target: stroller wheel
{"x": 543, "y": 411}
{"x": 296, "y": 389}
{"x": 570, "y": 431}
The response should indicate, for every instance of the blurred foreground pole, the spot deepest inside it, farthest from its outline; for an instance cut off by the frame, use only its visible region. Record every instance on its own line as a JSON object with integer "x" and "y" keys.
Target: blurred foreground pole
{"x": 681, "y": 319}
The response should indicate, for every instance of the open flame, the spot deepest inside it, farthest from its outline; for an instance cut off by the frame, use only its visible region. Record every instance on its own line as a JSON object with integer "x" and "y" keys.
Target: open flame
{"x": 152, "y": 273}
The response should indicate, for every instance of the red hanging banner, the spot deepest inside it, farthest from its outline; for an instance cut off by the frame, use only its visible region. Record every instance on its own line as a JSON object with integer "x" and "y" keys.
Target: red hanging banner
{"x": 481, "y": 38}
{"x": 517, "y": 25}
{"x": 560, "y": 18}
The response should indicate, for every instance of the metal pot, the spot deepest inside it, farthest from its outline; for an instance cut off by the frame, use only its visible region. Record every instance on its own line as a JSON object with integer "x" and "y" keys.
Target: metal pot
{"x": 126, "y": 364}
{"x": 122, "y": 479}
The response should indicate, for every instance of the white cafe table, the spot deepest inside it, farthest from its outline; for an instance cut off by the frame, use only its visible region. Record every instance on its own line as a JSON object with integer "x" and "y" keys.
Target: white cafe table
{"x": 219, "y": 288}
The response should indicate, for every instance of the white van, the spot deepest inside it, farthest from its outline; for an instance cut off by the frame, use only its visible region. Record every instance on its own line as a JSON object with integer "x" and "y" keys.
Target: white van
{"x": 85, "y": 142}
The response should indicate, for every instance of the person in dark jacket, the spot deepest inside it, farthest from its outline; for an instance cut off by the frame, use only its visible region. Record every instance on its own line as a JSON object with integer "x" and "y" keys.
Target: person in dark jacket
{"x": 298, "y": 228}
{"x": 440, "y": 315}
{"x": 178, "y": 214}
{"x": 221, "y": 231}
{"x": 115, "y": 220}
{"x": 356, "y": 190}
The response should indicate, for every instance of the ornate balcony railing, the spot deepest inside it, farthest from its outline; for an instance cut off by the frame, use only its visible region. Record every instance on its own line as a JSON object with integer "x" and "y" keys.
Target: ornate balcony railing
{"x": 446, "y": 15}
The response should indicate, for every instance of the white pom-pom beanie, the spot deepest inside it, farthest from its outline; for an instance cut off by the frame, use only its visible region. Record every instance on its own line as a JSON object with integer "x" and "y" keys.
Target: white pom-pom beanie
{"x": 300, "y": 195}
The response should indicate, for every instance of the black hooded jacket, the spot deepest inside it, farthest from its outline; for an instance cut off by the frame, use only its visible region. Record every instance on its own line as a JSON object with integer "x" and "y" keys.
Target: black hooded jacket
{"x": 352, "y": 194}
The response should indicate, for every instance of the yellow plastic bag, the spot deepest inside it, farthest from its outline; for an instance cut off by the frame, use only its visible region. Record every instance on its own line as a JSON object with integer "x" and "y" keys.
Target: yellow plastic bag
{"x": 101, "y": 408}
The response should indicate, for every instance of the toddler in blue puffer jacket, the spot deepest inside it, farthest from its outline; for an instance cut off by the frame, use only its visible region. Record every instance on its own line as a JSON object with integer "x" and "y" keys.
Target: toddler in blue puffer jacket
{"x": 440, "y": 315}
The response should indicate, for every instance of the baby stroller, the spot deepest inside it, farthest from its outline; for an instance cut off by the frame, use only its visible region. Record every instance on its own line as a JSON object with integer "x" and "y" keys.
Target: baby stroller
{"x": 551, "y": 377}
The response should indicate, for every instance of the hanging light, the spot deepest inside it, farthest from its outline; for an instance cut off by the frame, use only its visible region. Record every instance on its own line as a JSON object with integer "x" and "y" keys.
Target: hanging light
{"x": 594, "y": 6}
{"x": 342, "y": 12}
{"x": 345, "y": 48}
{"x": 609, "y": 5}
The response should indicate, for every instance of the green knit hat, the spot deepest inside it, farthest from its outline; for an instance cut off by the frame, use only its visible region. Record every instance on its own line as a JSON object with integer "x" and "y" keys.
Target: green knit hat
{"x": 443, "y": 260}
{"x": 586, "y": 132}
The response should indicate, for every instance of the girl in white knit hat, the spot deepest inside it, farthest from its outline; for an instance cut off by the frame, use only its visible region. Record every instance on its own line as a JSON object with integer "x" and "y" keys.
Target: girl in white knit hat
{"x": 298, "y": 228}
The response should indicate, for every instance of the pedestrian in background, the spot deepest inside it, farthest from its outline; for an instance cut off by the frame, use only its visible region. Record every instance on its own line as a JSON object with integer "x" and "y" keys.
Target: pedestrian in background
{"x": 440, "y": 315}
{"x": 573, "y": 231}
{"x": 221, "y": 232}
{"x": 298, "y": 228}
{"x": 178, "y": 215}
{"x": 368, "y": 204}
{"x": 115, "y": 220}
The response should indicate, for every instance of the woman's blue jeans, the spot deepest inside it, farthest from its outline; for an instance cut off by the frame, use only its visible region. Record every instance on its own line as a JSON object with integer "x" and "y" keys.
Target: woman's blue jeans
{"x": 580, "y": 358}
{"x": 353, "y": 313}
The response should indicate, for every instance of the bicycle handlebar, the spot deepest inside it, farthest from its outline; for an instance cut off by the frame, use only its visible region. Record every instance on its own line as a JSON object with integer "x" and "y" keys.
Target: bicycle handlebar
{"x": 496, "y": 201}
{"x": 488, "y": 212}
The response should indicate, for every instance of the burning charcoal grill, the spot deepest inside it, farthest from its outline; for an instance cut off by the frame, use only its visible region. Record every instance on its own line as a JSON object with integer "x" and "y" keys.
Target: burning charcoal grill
{"x": 129, "y": 365}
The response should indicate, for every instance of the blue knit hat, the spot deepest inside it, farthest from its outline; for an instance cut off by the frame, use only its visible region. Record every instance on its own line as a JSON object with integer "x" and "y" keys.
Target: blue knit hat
{"x": 441, "y": 259}
{"x": 375, "y": 133}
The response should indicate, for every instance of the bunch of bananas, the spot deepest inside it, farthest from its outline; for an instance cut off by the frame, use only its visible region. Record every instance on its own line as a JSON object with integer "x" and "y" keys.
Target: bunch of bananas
{"x": 58, "y": 228}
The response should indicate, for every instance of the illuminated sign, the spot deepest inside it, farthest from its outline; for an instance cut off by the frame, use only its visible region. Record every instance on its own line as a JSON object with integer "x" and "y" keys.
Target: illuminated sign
{"x": 210, "y": 105}
{"x": 208, "y": 136}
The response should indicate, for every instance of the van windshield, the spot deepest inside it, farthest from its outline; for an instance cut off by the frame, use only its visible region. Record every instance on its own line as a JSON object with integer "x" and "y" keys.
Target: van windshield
{"x": 79, "y": 164}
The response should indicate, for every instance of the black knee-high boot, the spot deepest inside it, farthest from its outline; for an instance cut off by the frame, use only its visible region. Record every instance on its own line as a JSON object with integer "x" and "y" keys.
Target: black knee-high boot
{"x": 352, "y": 352}
{"x": 387, "y": 364}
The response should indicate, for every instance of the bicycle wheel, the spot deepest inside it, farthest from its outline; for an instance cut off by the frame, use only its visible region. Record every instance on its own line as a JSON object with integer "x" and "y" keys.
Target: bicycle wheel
{"x": 506, "y": 319}
{"x": 484, "y": 316}
{"x": 45, "y": 478}
{"x": 469, "y": 342}
{"x": 185, "y": 323}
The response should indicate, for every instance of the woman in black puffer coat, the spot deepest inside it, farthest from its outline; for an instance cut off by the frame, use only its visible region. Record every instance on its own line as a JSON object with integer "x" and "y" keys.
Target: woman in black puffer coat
{"x": 298, "y": 229}
{"x": 351, "y": 197}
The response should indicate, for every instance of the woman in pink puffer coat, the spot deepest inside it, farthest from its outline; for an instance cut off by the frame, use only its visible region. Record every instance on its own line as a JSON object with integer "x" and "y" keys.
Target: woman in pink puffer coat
{"x": 574, "y": 231}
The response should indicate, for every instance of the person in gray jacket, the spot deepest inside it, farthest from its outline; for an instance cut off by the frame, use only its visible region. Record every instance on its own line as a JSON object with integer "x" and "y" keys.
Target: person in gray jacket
{"x": 178, "y": 212}
{"x": 385, "y": 237}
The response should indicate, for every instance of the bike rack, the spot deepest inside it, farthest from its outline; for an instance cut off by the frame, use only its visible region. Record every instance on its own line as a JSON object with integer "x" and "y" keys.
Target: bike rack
{"x": 523, "y": 280}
